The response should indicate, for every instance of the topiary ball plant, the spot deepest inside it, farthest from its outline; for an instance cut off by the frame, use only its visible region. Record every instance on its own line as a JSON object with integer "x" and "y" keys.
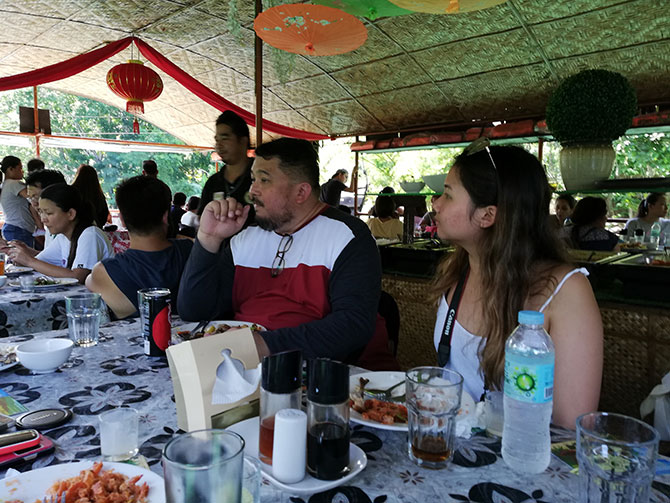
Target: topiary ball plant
{"x": 592, "y": 106}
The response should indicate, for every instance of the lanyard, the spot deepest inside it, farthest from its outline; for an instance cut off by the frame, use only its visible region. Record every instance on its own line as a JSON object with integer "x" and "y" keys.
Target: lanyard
{"x": 444, "y": 348}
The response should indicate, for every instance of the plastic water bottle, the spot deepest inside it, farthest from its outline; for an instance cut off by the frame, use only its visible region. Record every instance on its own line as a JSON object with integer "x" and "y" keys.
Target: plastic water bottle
{"x": 655, "y": 235}
{"x": 528, "y": 395}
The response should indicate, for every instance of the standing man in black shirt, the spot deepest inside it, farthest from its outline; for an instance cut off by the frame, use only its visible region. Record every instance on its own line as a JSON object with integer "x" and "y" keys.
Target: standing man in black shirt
{"x": 234, "y": 179}
{"x": 332, "y": 189}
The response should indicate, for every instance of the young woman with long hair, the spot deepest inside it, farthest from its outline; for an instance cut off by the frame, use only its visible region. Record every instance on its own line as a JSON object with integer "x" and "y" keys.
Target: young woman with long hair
{"x": 495, "y": 209}
{"x": 78, "y": 244}
{"x": 652, "y": 209}
{"x": 87, "y": 183}
{"x": 587, "y": 231}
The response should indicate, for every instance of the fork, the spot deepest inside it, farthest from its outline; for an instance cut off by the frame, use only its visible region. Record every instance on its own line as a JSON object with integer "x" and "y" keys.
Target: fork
{"x": 200, "y": 327}
{"x": 55, "y": 499}
{"x": 384, "y": 395}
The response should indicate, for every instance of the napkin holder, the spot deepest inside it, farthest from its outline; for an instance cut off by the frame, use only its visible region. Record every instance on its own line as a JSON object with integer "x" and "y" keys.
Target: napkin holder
{"x": 193, "y": 367}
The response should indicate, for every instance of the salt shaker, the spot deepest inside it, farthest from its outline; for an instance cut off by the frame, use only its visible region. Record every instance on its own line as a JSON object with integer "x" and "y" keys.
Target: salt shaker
{"x": 289, "y": 449}
{"x": 327, "y": 419}
{"x": 281, "y": 388}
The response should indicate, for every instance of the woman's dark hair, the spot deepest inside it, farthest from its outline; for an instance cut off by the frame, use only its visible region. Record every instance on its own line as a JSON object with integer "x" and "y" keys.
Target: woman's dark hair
{"x": 517, "y": 252}
{"x": 44, "y": 177}
{"x": 87, "y": 183}
{"x": 588, "y": 211}
{"x": 179, "y": 199}
{"x": 67, "y": 197}
{"x": 193, "y": 203}
{"x": 9, "y": 161}
{"x": 384, "y": 207}
{"x": 568, "y": 199}
{"x": 643, "y": 208}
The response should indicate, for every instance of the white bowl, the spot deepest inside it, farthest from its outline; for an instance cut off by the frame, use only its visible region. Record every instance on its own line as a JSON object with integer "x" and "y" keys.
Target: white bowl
{"x": 412, "y": 186}
{"x": 435, "y": 182}
{"x": 44, "y": 355}
{"x": 3, "y": 280}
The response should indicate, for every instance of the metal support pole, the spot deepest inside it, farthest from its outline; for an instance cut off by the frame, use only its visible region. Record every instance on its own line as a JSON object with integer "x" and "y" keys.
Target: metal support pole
{"x": 540, "y": 148}
{"x": 356, "y": 154}
{"x": 258, "y": 79}
{"x": 36, "y": 121}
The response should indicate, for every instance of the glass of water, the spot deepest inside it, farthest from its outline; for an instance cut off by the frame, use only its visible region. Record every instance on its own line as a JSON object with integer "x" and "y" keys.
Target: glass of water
{"x": 617, "y": 458}
{"x": 119, "y": 434}
{"x": 204, "y": 466}
{"x": 83, "y": 318}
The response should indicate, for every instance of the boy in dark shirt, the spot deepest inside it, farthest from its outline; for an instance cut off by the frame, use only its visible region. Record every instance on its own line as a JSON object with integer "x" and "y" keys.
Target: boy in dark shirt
{"x": 153, "y": 260}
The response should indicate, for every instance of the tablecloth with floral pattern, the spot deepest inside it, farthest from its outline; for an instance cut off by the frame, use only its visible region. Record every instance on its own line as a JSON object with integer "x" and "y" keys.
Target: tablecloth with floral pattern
{"x": 116, "y": 372}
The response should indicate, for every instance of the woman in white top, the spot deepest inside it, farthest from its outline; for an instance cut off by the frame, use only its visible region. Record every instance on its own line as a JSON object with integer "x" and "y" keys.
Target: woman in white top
{"x": 78, "y": 244}
{"x": 190, "y": 218}
{"x": 652, "y": 209}
{"x": 495, "y": 210}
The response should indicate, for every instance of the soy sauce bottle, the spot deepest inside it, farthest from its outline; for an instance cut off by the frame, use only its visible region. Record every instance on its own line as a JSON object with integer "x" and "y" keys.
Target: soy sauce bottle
{"x": 281, "y": 388}
{"x": 327, "y": 419}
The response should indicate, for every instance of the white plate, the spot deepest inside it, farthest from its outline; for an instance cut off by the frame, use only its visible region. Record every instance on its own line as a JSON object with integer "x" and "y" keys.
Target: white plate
{"x": 32, "y": 486}
{"x": 384, "y": 380}
{"x": 248, "y": 429}
{"x": 190, "y": 326}
{"x": 6, "y": 349}
{"x": 59, "y": 282}
{"x": 15, "y": 270}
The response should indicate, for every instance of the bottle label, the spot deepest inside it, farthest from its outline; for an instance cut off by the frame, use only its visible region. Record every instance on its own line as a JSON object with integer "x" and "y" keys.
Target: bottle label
{"x": 529, "y": 381}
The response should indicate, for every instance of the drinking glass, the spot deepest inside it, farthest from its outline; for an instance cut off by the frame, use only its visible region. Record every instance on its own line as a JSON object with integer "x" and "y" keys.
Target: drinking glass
{"x": 118, "y": 434}
{"x": 617, "y": 458}
{"x": 251, "y": 480}
{"x": 27, "y": 282}
{"x": 493, "y": 407}
{"x": 204, "y": 466}
{"x": 433, "y": 399}
{"x": 83, "y": 318}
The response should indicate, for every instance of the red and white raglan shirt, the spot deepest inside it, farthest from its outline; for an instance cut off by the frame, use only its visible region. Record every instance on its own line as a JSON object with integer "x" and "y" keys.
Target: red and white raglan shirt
{"x": 324, "y": 301}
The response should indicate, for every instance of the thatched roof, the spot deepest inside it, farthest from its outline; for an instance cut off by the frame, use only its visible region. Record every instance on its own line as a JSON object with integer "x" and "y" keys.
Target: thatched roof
{"x": 414, "y": 71}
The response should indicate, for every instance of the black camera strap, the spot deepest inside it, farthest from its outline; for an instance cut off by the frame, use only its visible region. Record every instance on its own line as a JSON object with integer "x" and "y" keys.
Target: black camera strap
{"x": 444, "y": 348}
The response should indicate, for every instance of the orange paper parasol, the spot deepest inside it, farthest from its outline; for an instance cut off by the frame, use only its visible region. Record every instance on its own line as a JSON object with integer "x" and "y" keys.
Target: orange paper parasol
{"x": 446, "y": 6}
{"x": 312, "y": 30}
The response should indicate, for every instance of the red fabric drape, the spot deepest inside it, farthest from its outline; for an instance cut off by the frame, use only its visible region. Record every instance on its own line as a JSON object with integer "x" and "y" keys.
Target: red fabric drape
{"x": 64, "y": 69}
{"x": 84, "y": 61}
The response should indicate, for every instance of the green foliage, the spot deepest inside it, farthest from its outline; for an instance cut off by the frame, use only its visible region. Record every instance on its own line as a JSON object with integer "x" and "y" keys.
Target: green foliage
{"x": 75, "y": 116}
{"x": 592, "y": 106}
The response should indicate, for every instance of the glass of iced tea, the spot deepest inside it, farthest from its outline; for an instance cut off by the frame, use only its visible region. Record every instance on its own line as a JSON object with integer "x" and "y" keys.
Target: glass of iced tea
{"x": 433, "y": 400}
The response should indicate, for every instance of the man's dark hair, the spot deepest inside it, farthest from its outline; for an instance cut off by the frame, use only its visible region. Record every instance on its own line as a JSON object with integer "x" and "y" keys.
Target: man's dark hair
{"x": 35, "y": 165}
{"x": 235, "y": 123}
{"x": 150, "y": 167}
{"x": 179, "y": 199}
{"x": 9, "y": 161}
{"x": 193, "y": 203}
{"x": 44, "y": 177}
{"x": 143, "y": 201}
{"x": 297, "y": 158}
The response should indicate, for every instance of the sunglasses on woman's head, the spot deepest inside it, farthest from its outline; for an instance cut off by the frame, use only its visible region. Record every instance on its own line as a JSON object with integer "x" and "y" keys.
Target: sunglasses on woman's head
{"x": 481, "y": 143}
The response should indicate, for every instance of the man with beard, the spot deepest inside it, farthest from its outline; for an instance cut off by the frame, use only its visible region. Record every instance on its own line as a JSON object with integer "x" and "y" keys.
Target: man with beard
{"x": 234, "y": 179}
{"x": 308, "y": 273}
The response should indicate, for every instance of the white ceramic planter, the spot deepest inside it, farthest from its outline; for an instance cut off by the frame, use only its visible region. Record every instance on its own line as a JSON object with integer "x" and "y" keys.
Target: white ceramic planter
{"x": 583, "y": 165}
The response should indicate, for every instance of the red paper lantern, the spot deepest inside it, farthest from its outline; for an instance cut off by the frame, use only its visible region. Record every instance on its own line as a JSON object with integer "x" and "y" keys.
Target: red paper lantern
{"x": 136, "y": 84}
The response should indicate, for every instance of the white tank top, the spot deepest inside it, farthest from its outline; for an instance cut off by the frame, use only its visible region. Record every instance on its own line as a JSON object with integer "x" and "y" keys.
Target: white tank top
{"x": 464, "y": 357}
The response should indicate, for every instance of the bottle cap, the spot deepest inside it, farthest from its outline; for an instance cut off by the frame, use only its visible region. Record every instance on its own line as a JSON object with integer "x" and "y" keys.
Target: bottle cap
{"x": 531, "y": 318}
{"x": 282, "y": 372}
{"x": 289, "y": 446}
{"x": 328, "y": 381}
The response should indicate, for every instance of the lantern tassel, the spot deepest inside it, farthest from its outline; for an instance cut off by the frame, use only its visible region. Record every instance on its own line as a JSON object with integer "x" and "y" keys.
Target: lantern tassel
{"x": 136, "y": 126}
